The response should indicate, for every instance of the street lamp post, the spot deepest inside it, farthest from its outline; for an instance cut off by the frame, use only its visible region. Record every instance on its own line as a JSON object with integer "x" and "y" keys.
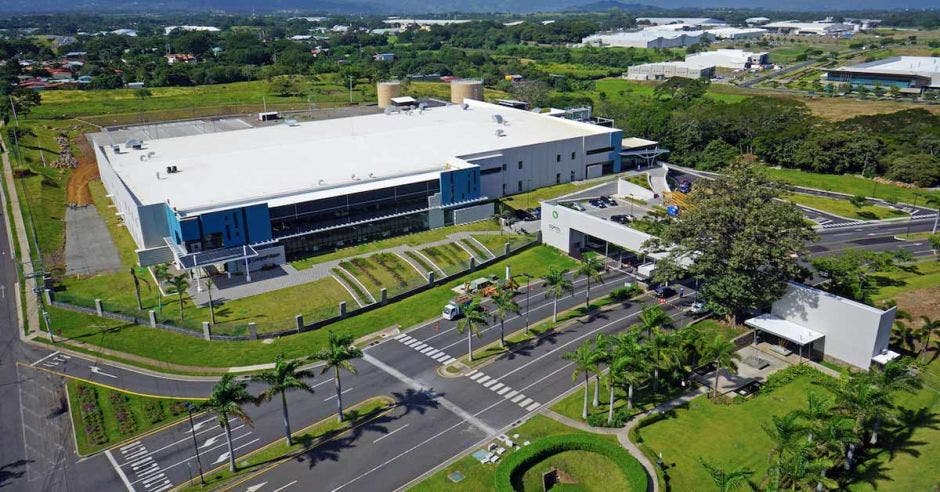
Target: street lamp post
{"x": 528, "y": 283}
{"x": 189, "y": 409}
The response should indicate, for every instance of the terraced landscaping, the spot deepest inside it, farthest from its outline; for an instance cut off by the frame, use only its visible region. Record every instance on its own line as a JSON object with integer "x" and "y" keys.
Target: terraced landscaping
{"x": 384, "y": 270}
{"x": 496, "y": 242}
{"x": 449, "y": 257}
{"x": 844, "y": 208}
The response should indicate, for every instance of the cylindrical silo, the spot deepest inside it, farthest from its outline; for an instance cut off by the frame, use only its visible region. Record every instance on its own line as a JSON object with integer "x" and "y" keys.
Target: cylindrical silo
{"x": 466, "y": 89}
{"x": 386, "y": 91}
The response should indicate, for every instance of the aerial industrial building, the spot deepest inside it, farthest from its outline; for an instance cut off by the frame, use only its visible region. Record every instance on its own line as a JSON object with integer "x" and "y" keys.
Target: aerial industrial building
{"x": 698, "y": 65}
{"x": 819, "y": 28}
{"x": 254, "y": 197}
{"x": 728, "y": 58}
{"x": 736, "y": 33}
{"x": 691, "y": 21}
{"x": 655, "y": 38}
{"x": 912, "y": 74}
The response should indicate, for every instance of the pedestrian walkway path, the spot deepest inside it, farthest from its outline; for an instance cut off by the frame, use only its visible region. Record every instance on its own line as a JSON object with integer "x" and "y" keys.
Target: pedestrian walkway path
{"x": 286, "y": 275}
{"x": 32, "y": 304}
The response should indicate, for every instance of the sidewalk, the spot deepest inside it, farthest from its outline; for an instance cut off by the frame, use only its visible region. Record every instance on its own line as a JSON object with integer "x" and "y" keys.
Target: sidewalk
{"x": 32, "y": 304}
{"x": 623, "y": 433}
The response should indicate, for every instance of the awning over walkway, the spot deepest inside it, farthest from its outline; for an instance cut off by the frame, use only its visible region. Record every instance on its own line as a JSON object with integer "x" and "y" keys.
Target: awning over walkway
{"x": 211, "y": 257}
{"x": 782, "y": 328}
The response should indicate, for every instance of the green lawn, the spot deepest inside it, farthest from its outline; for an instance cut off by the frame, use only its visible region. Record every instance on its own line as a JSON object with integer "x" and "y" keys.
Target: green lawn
{"x": 384, "y": 270}
{"x": 922, "y": 275}
{"x": 590, "y": 471}
{"x": 449, "y": 257}
{"x": 642, "y": 179}
{"x": 848, "y": 184}
{"x": 181, "y": 349}
{"x": 726, "y": 435}
{"x": 844, "y": 208}
{"x": 496, "y": 243}
{"x": 415, "y": 239}
{"x": 481, "y": 254}
{"x": 479, "y": 477}
{"x": 139, "y": 413}
{"x": 304, "y": 440}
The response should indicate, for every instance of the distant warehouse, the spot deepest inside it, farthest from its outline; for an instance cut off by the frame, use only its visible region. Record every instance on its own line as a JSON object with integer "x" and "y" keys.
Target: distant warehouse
{"x": 647, "y": 39}
{"x": 910, "y": 74}
{"x": 254, "y": 197}
{"x": 667, "y": 70}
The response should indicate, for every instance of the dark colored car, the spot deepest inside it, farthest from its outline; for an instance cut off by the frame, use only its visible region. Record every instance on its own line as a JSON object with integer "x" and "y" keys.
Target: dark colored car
{"x": 609, "y": 200}
{"x": 622, "y": 218}
{"x": 597, "y": 202}
{"x": 685, "y": 187}
{"x": 665, "y": 292}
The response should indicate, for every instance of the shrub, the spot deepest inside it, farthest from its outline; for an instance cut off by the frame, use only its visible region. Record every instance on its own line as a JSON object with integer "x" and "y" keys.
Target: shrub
{"x": 127, "y": 423}
{"x": 624, "y": 293}
{"x": 784, "y": 377}
{"x": 153, "y": 410}
{"x": 509, "y": 472}
{"x": 600, "y": 420}
{"x": 92, "y": 417}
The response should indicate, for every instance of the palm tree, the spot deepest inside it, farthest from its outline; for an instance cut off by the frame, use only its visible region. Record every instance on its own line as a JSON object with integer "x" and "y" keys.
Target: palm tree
{"x": 209, "y": 284}
{"x": 179, "y": 284}
{"x": 926, "y": 332}
{"x": 727, "y": 480}
{"x": 904, "y": 335}
{"x": 503, "y": 306}
{"x": 723, "y": 353}
{"x": 284, "y": 377}
{"x": 589, "y": 268}
{"x": 691, "y": 343}
{"x": 583, "y": 359}
{"x": 784, "y": 431}
{"x": 225, "y": 401}
{"x": 863, "y": 402}
{"x": 556, "y": 284}
{"x": 473, "y": 318}
{"x": 601, "y": 357}
{"x": 161, "y": 273}
{"x": 653, "y": 316}
{"x": 661, "y": 354}
{"x": 338, "y": 355}
{"x": 817, "y": 414}
{"x": 630, "y": 362}
{"x": 895, "y": 376}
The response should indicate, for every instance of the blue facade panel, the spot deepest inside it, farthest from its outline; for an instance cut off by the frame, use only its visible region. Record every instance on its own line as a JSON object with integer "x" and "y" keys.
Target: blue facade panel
{"x": 237, "y": 226}
{"x": 460, "y": 185}
{"x": 616, "y": 142}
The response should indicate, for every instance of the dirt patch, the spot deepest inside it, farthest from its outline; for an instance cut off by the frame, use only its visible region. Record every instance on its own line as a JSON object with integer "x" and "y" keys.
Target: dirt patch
{"x": 921, "y": 302}
{"x": 76, "y": 190}
{"x": 838, "y": 109}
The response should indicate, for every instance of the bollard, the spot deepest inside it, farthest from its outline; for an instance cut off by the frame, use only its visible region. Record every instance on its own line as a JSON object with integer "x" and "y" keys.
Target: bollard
{"x": 253, "y": 330}
{"x": 153, "y": 318}
{"x": 506, "y": 249}
{"x": 384, "y": 295}
{"x": 47, "y": 296}
{"x": 206, "y": 330}
{"x": 299, "y": 322}
{"x": 98, "y": 308}
{"x": 342, "y": 309}
{"x": 473, "y": 263}
{"x": 431, "y": 279}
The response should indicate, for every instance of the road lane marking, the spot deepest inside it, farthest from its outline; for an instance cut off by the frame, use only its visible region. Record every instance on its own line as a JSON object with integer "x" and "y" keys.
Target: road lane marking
{"x": 525, "y": 402}
{"x": 477, "y": 375}
{"x": 517, "y": 398}
{"x": 484, "y": 379}
{"x": 46, "y": 357}
{"x": 489, "y": 383}
{"x": 400, "y": 336}
{"x": 532, "y": 406}
{"x": 496, "y": 386}
{"x": 504, "y": 391}
{"x": 279, "y": 489}
{"x": 347, "y": 390}
{"x": 120, "y": 472}
{"x": 449, "y": 360}
{"x": 390, "y": 433}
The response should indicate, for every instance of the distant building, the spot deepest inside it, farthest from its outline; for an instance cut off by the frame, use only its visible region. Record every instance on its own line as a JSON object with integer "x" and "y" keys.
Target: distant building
{"x": 756, "y": 21}
{"x": 75, "y": 55}
{"x": 819, "y": 28}
{"x": 692, "y": 21}
{"x": 736, "y": 33}
{"x": 125, "y": 32}
{"x": 135, "y": 85}
{"x": 169, "y": 29}
{"x": 423, "y": 22}
{"x": 646, "y": 39}
{"x": 174, "y": 58}
{"x": 729, "y": 58}
{"x": 384, "y": 57}
{"x": 911, "y": 74}
{"x": 59, "y": 73}
{"x": 667, "y": 70}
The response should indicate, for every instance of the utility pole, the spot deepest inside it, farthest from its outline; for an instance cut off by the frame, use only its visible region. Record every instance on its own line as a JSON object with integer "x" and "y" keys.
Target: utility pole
{"x": 350, "y": 89}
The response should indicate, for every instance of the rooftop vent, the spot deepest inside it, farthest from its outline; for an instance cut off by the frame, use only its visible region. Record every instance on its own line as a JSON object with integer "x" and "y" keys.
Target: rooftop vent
{"x": 116, "y": 148}
{"x": 172, "y": 170}
{"x": 500, "y": 132}
{"x": 134, "y": 144}
{"x": 464, "y": 106}
{"x": 498, "y": 118}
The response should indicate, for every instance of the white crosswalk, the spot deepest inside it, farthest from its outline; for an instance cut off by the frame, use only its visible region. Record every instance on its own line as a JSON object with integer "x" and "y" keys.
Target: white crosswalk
{"x": 424, "y": 349}
{"x": 502, "y": 389}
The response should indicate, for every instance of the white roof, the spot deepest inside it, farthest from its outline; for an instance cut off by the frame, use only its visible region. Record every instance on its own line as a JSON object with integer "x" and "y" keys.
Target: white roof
{"x": 425, "y": 22}
{"x": 784, "y": 329}
{"x": 403, "y": 100}
{"x": 695, "y": 21}
{"x": 637, "y": 36}
{"x": 636, "y": 142}
{"x": 283, "y": 163}
{"x": 923, "y": 66}
{"x": 885, "y": 357}
{"x": 729, "y": 58}
{"x": 730, "y": 32}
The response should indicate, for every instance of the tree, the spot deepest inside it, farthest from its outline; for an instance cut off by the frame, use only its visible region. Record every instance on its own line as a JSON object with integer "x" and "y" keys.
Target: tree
{"x": 723, "y": 353}
{"x": 225, "y": 401}
{"x": 590, "y": 269}
{"x": 584, "y": 360}
{"x": 654, "y": 316}
{"x": 284, "y": 377}
{"x": 601, "y": 357}
{"x": 744, "y": 242}
{"x": 661, "y": 353}
{"x": 534, "y": 92}
{"x": 136, "y": 280}
{"x": 179, "y": 285}
{"x": 473, "y": 318}
{"x": 22, "y": 102}
{"x": 858, "y": 201}
{"x": 926, "y": 332}
{"x": 727, "y": 480}
{"x": 850, "y": 274}
{"x": 142, "y": 94}
{"x": 628, "y": 366}
{"x": 717, "y": 154}
{"x": 338, "y": 355}
{"x": 556, "y": 284}
{"x": 921, "y": 170}
{"x": 503, "y": 306}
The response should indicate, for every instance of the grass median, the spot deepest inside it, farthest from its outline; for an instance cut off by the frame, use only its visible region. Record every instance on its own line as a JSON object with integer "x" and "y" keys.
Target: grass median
{"x": 305, "y": 440}
{"x": 844, "y": 208}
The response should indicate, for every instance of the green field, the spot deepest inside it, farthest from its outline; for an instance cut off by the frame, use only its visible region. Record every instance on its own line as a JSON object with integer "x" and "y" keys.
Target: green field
{"x": 384, "y": 270}
{"x": 97, "y": 424}
{"x": 642, "y": 179}
{"x": 922, "y": 275}
{"x": 415, "y": 239}
{"x": 496, "y": 243}
{"x": 590, "y": 471}
{"x": 449, "y": 257}
{"x": 844, "y": 208}
{"x": 180, "y": 349}
{"x": 478, "y": 477}
{"x": 850, "y": 185}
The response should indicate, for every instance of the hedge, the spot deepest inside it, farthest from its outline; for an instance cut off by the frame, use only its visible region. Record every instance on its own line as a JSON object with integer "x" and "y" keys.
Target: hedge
{"x": 517, "y": 463}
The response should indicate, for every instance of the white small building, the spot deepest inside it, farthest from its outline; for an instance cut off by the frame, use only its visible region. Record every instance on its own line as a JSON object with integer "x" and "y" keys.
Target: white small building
{"x": 729, "y": 58}
{"x": 736, "y": 33}
{"x": 692, "y": 21}
{"x": 646, "y": 39}
{"x": 817, "y": 324}
{"x": 818, "y": 28}
{"x": 667, "y": 70}
{"x": 168, "y": 29}
{"x": 756, "y": 21}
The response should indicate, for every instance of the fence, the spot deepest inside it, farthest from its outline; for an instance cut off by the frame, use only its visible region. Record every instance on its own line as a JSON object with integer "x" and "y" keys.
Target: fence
{"x": 258, "y": 328}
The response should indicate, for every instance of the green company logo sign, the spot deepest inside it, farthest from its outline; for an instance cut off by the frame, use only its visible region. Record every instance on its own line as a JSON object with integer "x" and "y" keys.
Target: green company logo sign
{"x": 554, "y": 214}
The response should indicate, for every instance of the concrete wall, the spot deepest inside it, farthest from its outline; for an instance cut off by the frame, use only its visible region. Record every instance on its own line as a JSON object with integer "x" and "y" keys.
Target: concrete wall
{"x": 474, "y": 213}
{"x": 854, "y": 332}
{"x": 626, "y": 188}
{"x": 123, "y": 199}
{"x": 561, "y": 227}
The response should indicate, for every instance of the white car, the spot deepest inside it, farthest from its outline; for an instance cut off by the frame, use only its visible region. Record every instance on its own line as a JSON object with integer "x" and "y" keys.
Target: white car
{"x": 698, "y": 307}
{"x": 578, "y": 207}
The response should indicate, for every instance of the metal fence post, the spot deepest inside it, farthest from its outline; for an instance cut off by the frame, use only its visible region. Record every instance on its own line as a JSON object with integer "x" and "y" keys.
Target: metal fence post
{"x": 253, "y": 330}
{"x": 153, "y": 318}
{"x": 384, "y": 295}
{"x": 506, "y": 249}
{"x": 431, "y": 279}
{"x": 98, "y": 308}
{"x": 299, "y": 322}
{"x": 206, "y": 330}
{"x": 342, "y": 309}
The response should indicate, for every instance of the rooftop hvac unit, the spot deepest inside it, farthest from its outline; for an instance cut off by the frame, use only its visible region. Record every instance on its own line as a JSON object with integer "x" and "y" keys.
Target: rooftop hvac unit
{"x": 464, "y": 106}
{"x": 498, "y": 118}
{"x": 134, "y": 144}
{"x": 116, "y": 148}
{"x": 500, "y": 133}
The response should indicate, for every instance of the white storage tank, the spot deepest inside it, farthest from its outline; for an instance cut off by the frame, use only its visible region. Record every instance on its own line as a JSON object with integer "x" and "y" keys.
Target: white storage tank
{"x": 466, "y": 89}
{"x": 385, "y": 91}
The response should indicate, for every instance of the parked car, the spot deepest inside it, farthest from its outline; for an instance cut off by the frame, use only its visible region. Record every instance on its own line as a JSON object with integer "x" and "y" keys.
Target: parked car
{"x": 577, "y": 206}
{"x": 597, "y": 202}
{"x": 622, "y": 218}
{"x": 698, "y": 307}
{"x": 536, "y": 213}
{"x": 685, "y": 186}
{"x": 665, "y": 292}
{"x": 609, "y": 200}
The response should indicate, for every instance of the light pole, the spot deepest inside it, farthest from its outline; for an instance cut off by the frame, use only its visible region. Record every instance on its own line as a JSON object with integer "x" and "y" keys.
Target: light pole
{"x": 189, "y": 409}
{"x": 528, "y": 283}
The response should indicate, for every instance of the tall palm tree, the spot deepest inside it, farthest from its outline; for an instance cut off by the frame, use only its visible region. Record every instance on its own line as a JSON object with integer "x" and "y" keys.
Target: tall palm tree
{"x": 556, "y": 284}
{"x": 589, "y": 268}
{"x": 727, "y": 480}
{"x": 862, "y": 402}
{"x": 835, "y": 438}
{"x": 161, "y": 273}
{"x": 927, "y": 329}
{"x": 602, "y": 356}
{"x": 225, "y": 401}
{"x": 785, "y": 431}
{"x": 338, "y": 355}
{"x": 723, "y": 353}
{"x": 583, "y": 359}
{"x": 179, "y": 284}
{"x": 661, "y": 353}
{"x": 209, "y": 284}
{"x": 690, "y": 342}
{"x": 816, "y": 415}
{"x": 473, "y": 318}
{"x": 284, "y": 377}
{"x": 630, "y": 362}
{"x": 897, "y": 375}
{"x": 503, "y": 306}
{"x": 654, "y": 316}
{"x": 904, "y": 335}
